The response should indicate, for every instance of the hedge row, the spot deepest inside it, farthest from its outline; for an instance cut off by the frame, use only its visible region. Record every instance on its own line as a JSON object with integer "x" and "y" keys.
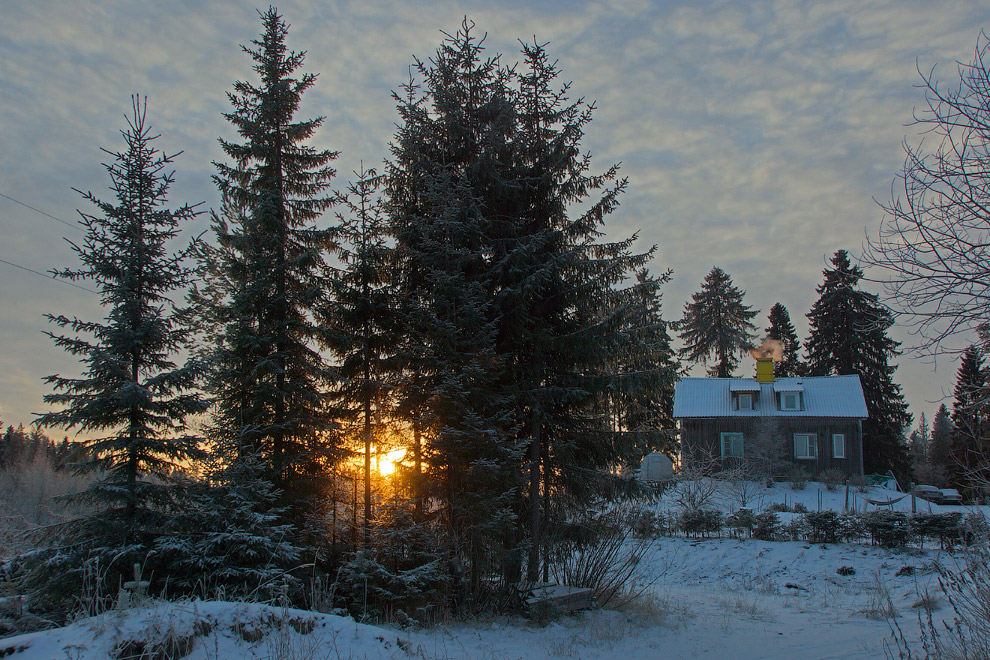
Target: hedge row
{"x": 889, "y": 529}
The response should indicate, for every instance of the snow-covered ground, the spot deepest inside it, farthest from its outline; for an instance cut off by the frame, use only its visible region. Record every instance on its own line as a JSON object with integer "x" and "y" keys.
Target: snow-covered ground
{"x": 717, "y": 598}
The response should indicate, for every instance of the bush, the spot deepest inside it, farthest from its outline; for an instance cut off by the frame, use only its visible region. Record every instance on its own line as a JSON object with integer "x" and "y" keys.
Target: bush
{"x": 766, "y": 526}
{"x": 700, "y": 522}
{"x": 976, "y": 529}
{"x": 822, "y": 527}
{"x": 799, "y": 507}
{"x": 779, "y": 507}
{"x": 742, "y": 519}
{"x": 852, "y": 527}
{"x": 794, "y": 530}
{"x": 646, "y": 524}
{"x": 593, "y": 550}
{"x": 888, "y": 529}
{"x": 831, "y": 477}
{"x": 946, "y": 527}
{"x": 860, "y": 483}
{"x": 798, "y": 477}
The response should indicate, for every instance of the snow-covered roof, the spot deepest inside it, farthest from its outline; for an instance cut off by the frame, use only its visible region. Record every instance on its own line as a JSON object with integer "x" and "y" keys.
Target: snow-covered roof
{"x": 743, "y": 385}
{"x": 823, "y": 396}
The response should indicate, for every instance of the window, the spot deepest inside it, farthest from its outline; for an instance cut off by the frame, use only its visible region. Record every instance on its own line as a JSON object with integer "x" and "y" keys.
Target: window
{"x": 790, "y": 401}
{"x": 805, "y": 446}
{"x": 732, "y": 445}
{"x": 838, "y": 445}
{"x": 745, "y": 401}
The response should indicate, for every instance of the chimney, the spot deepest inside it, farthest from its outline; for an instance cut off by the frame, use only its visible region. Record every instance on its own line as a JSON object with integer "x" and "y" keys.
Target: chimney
{"x": 764, "y": 369}
{"x": 770, "y": 351}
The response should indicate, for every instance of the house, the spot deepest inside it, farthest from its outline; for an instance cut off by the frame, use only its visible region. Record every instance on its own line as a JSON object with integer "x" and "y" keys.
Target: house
{"x": 769, "y": 425}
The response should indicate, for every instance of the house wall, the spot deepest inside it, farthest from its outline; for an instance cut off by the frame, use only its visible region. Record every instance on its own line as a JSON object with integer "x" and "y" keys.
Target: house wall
{"x": 768, "y": 443}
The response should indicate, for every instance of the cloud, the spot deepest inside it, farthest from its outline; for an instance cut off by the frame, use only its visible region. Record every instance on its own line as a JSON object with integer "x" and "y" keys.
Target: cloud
{"x": 755, "y": 135}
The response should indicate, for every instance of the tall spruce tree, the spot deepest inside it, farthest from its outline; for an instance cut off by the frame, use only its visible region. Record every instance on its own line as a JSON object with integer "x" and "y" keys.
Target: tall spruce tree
{"x": 646, "y": 408}
{"x": 518, "y": 311}
{"x": 132, "y": 399}
{"x": 361, "y": 321}
{"x": 569, "y": 326}
{"x": 266, "y": 279}
{"x": 716, "y": 324}
{"x": 971, "y": 423}
{"x": 449, "y": 168}
{"x": 782, "y": 330}
{"x": 848, "y": 335}
{"x": 941, "y": 447}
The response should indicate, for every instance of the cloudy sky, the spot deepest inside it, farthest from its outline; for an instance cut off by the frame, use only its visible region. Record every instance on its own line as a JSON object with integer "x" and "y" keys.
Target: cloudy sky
{"x": 755, "y": 135}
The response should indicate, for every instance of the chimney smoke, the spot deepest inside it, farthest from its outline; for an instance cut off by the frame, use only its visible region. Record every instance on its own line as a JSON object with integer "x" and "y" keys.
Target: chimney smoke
{"x": 770, "y": 348}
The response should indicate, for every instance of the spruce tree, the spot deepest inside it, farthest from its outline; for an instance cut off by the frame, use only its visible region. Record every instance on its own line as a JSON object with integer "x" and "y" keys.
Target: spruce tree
{"x": 716, "y": 324}
{"x": 266, "y": 280}
{"x": 518, "y": 313}
{"x": 570, "y": 328}
{"x": 848, "y": 335}
{"x": 449, "y": 161}
{"x": 360, "y": 322}
{"x": 970, "y": 415}
{"x": 941, "y": 447}
{"x": 782, "y": 330}
{"x": 646, "y": 408}
{"x": 919, "y": 451}
{"x": 132, "y": 400}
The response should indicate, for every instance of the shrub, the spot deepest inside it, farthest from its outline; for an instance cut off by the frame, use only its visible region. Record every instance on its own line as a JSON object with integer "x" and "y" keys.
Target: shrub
{"x": 766, "y": 526}
{"x": 852, "y": 527}
{"x": 700, "y": 522}
{"x": 888, "y": 529}
{"x": 822, "y": 526}
{"x": 976, "y": 529}
{"x": 798, "y": 477}
{"x": 794, "y": 529}
{"x": 860, "y": 483}
{"x": 593, "y": 551}
{"x": 799, "y": 507}
{"x": 646, "y": 524}
{"x": 780, "y": 507}
{"x": 946, "y": 527}
{"x": 831, "y": 477}
{"x": 742, "y": 519}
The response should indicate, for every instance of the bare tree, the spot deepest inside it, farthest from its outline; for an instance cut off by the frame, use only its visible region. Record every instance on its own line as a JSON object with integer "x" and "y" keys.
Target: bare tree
{"x": 934, "y": 244}
{"x": 767, "y": 453}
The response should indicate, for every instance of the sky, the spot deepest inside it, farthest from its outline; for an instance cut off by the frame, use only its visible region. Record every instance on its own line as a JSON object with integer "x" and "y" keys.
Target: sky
{"x": 757, "y": 136}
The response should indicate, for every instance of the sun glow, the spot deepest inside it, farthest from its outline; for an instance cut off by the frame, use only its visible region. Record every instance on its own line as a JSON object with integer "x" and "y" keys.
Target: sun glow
{"x": 389, "y": 461}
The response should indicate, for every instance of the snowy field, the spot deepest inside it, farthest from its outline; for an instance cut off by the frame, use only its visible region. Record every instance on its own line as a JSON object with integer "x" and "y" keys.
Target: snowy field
{"x": 716, "y": 598}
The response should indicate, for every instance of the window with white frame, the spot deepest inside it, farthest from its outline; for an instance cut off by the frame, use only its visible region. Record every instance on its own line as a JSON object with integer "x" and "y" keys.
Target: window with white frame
{"x": 805, "y": 446}
{"x": 732, "y": 445}
{"x": 790, "y": 401}
{"x": 838, "y": 445}
{"x": 745, "y": 400}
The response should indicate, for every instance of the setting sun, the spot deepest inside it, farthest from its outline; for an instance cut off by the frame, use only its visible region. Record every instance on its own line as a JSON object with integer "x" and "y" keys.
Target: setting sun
{"x": 388, "y": 461}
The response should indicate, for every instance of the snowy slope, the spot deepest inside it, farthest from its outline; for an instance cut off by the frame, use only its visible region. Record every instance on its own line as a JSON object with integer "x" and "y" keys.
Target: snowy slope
{"x": 718, "y": 598}
{"x": 709, "y": 599}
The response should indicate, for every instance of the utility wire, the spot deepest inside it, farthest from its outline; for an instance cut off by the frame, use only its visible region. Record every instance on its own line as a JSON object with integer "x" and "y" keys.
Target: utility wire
{"x": 49, "y": 215}
{"x": 46, "y": 276}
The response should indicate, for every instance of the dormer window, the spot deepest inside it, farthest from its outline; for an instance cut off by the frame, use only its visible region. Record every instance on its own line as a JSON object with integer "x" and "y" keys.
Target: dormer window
{"x": 790, "y": 394}
{"x": 790, "y": 401}
{"x": 744, "y": 394}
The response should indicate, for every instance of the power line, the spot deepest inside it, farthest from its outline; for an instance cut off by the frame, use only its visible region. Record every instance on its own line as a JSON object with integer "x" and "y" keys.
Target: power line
{"x": 46, "y": 276}
{"x": 49, "y": 215}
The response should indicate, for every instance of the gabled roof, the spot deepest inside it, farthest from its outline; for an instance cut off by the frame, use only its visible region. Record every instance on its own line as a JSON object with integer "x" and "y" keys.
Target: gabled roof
{"x": 823, "y": 396}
